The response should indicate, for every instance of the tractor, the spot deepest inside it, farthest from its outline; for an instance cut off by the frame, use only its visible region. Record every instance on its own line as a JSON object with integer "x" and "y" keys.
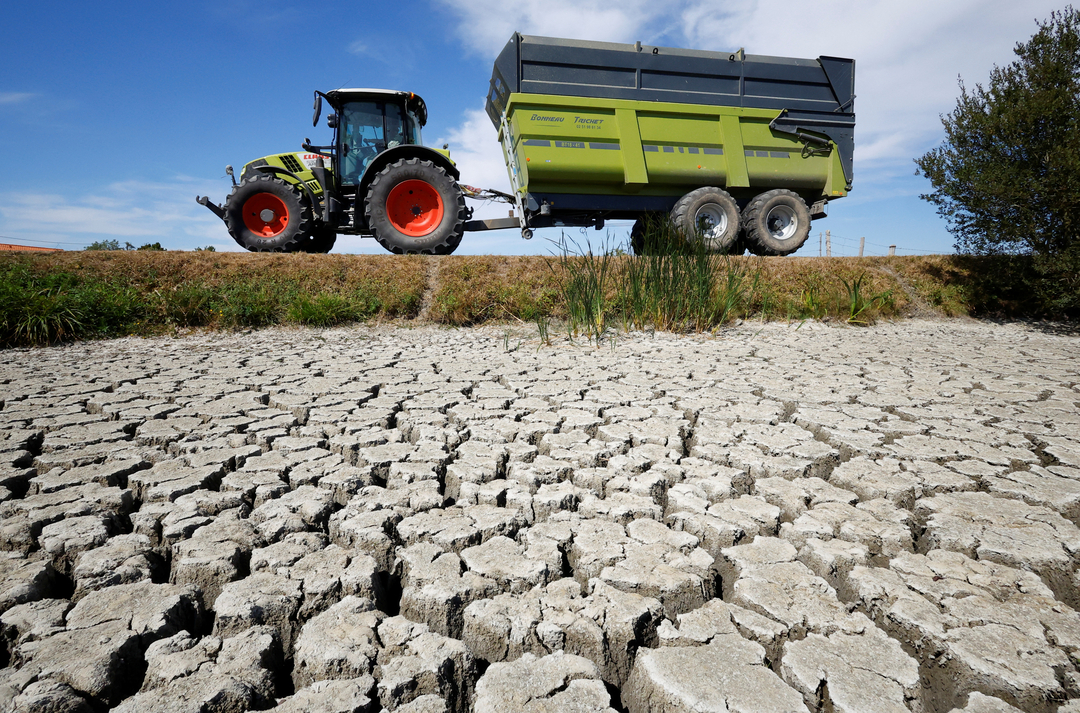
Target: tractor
{"x": 376, "y": 179}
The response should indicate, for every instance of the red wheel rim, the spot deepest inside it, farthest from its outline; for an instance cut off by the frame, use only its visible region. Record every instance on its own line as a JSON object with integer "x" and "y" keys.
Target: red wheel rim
{"x": 414, "y": 207}
{"x": 266, "y": 215}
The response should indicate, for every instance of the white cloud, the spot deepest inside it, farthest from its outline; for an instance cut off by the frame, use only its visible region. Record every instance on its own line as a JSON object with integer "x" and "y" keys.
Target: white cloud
{"x": 127, "y": 211}
{"x": 16, "y": 97}
{"x": 485, "y": 26}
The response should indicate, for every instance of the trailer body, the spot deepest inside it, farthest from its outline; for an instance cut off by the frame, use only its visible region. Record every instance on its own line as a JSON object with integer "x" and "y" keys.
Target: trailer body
{"x": 592, "y": 130}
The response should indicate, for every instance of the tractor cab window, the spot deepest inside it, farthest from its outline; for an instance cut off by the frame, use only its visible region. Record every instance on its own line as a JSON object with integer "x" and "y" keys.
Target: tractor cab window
{"x": 368, "y": 129}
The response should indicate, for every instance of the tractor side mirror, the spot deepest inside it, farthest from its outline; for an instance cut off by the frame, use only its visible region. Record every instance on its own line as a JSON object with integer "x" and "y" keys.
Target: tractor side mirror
{"x": 332, "y": 121}
{"x": 318, "y": 110}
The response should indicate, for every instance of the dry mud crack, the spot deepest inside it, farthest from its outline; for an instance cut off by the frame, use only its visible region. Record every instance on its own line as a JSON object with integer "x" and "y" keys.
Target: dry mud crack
{"x": 369, "y": 519}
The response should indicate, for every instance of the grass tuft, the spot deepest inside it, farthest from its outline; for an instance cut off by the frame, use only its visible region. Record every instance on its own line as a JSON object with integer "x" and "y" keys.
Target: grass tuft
{"x": 586, "y": 279}
{"x": 327, "y": 310}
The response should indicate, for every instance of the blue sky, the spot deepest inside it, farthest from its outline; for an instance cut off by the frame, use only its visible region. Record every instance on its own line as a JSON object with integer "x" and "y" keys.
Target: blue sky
{"x": 114, "y": 115}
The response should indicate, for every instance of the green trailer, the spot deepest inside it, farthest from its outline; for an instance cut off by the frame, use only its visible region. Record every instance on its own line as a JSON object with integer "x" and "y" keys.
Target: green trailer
{"x": 743, "y": 150}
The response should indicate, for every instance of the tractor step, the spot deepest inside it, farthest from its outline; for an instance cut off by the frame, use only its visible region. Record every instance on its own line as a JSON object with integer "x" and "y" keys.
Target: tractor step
{"x": 492, "y": 224}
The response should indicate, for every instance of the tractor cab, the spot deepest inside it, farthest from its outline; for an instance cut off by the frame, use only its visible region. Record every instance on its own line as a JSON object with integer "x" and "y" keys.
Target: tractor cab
{"x": 368, "y": 122}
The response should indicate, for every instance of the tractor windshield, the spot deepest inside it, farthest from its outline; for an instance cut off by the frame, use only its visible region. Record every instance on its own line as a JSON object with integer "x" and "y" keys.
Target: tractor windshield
{"x": 369, "y": 128}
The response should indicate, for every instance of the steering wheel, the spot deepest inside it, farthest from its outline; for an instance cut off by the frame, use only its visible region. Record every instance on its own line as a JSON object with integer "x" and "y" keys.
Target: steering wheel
{"x": 366, "y": 148}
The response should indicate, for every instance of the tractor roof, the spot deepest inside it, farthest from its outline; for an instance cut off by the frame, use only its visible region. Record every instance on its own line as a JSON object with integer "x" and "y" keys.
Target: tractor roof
{"x": 413, "y": 102}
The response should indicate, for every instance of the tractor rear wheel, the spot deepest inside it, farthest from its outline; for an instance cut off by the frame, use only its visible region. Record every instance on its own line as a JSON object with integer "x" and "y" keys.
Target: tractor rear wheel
{"x": 414, "y": 206}
{"x": 709, "y": 214}
{"x": 776, "y": 222}
{"x": 321, "y": 241}
{"x": 266, "y": 214}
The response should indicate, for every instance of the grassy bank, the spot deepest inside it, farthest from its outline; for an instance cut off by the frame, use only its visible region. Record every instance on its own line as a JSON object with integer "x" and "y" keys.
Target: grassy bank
{"x": 46, "y": 298}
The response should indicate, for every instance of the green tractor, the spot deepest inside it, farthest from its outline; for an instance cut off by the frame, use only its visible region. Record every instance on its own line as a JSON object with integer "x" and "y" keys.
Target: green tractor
{"x": 376, "y": 179}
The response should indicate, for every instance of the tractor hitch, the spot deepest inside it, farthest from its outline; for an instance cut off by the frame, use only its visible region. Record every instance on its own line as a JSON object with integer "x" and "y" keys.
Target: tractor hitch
{"x": 214, "y": 208}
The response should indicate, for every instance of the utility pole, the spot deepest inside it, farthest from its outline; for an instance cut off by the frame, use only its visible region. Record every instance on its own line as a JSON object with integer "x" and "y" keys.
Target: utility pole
{"x": 819, "y": 244}
{"x": 828, "y": 243}
{"x": 862, "y": 244}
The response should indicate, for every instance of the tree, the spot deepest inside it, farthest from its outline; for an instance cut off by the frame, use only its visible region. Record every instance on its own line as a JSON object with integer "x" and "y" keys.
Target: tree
{"x": 1007, "y": 177}
{"x": 103, "y": 245}
{"x": 115, "y": 245}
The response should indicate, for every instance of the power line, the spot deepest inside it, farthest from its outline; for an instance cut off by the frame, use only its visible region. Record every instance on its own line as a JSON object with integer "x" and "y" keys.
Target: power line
{"x": 36, "y": 240}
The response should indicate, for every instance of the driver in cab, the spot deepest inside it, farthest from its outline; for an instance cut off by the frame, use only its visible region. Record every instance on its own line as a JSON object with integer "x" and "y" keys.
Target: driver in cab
{"x": 365, "y": 138}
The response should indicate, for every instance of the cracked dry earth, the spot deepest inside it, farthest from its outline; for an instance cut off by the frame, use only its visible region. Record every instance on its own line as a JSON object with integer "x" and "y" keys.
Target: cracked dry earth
{"x": 421, "y": 520}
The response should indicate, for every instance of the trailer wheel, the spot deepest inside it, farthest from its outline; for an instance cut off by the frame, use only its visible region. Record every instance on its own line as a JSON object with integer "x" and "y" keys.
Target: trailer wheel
{"x": 266, "y": 214}
{"x": 710, "y": 213}
{"x": 321, "y": 240}
{"x": 637, "y": 237}
{"x": 650, "y": 234}
{"x": 414, "y": 206}
{"x": 776, "y": 222}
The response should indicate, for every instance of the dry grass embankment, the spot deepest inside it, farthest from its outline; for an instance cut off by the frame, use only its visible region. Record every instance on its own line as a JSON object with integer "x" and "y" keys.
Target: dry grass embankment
{"x": 49, "y": 297}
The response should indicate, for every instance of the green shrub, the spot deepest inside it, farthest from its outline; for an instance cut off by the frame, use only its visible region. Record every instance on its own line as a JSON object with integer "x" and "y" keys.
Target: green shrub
{"x": 242, "y": 304}
{"x": 324, "y": 310}
{"x": 40, "y": 317}
{"x": 187, "y": 305}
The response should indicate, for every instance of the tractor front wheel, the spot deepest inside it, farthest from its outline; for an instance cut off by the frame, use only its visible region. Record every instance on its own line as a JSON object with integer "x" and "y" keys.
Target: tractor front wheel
{"x": 265, "y": 214}
{"x": 414, "y": 206}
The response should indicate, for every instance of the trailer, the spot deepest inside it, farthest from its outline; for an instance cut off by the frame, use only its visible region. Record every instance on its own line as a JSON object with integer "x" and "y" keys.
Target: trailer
{"x": 741, "y": 150}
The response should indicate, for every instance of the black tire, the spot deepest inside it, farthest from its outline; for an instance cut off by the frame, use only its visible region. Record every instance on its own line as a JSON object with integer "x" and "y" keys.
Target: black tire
{"x": 649, "y": 223}
{"x": 739, "y": 247}
{"x": 265, "y": 214}
{"x": 321, "y": 240}
{"x": 776, "y": 222}
{"x": 637, "y": 237}
{"x": 753, "y": 248}
{"x": 710, "y": 214}
{"x": 439, "y": 224}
